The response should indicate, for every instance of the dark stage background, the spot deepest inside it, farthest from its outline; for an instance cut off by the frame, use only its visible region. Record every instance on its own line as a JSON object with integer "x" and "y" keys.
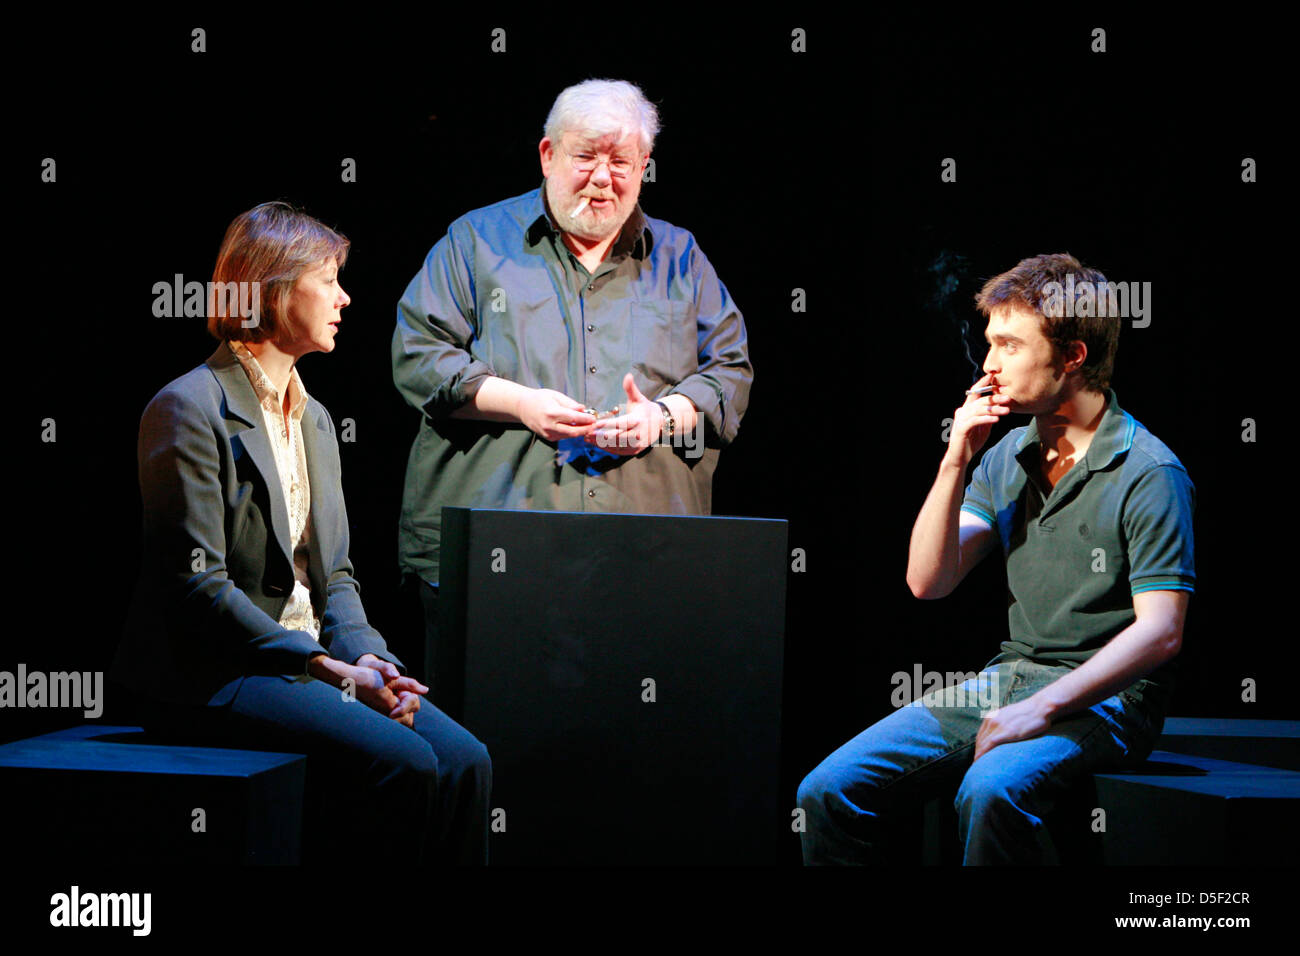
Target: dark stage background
{"x": 816, "y": 170}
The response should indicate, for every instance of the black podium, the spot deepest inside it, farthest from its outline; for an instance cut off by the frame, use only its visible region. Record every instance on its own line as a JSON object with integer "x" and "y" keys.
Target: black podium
{"x": 624, "y": 672}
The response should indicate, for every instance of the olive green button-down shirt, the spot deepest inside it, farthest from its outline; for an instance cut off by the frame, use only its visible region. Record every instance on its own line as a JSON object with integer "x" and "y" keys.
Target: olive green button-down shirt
{"x": 1117, "y": 524}
{"x": 501, "y": 295}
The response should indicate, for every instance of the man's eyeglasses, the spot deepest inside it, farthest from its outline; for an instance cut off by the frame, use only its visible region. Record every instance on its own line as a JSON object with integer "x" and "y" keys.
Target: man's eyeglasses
{"x": 619, "y": 167}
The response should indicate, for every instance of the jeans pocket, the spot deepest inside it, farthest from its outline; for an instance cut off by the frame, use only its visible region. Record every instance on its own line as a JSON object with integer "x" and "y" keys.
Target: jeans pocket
{"x": 1131, "y": 723}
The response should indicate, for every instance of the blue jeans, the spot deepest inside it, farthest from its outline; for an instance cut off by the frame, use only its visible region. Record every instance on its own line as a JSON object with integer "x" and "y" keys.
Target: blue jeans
{"x": 421, "y": 794}
{"x": 922, "y": 750}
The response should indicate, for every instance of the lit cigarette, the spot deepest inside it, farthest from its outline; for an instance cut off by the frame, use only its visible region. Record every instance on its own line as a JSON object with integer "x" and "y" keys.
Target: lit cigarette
{"x": 982, "y": 391}
{"x": 582, "y": 204}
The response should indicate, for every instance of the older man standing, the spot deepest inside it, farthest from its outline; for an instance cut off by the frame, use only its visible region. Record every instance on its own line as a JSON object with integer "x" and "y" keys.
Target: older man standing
{"x": 568, "y": 352}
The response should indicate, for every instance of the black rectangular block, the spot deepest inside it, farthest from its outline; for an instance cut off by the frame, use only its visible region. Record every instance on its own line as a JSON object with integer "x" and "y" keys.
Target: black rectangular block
{"x": 1268, "y": 743}
{"x": 1188, "y": 810}
{"x": 102, "y": 794}
{"x": 625, "y": 673}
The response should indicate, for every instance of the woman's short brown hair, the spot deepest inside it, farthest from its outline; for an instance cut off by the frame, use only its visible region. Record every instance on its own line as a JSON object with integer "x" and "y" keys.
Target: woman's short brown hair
{"x": 271, "y": 245}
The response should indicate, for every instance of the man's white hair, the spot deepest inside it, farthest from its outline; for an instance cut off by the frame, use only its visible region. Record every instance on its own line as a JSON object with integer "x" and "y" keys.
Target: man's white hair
{"x": 600, "y": 107}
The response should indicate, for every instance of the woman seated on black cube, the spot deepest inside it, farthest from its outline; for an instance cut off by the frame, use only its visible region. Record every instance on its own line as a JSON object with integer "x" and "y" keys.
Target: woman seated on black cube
{"x": 246, "y": 628}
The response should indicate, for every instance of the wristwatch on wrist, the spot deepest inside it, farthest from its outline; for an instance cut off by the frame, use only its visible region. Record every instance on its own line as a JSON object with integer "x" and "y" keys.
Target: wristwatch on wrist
{"x": 670, "y": 423}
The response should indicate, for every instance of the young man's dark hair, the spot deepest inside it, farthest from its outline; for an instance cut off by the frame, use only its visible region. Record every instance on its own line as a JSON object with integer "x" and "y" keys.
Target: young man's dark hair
{"x": 1029, "y": 286}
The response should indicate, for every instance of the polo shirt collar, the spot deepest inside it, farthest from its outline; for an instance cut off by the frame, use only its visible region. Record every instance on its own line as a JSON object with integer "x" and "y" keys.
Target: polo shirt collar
{"x": 1114, "y": 437}
{"x": 636, "y": 239}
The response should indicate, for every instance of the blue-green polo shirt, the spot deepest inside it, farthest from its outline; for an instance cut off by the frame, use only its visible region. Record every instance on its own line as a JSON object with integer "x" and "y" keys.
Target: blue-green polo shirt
{"x": 1116, "y": 524}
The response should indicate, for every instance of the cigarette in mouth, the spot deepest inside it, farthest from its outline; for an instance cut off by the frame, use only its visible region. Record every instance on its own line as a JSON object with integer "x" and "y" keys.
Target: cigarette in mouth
{"x": 982, "y": 391}
{"x": 582, "y": 204}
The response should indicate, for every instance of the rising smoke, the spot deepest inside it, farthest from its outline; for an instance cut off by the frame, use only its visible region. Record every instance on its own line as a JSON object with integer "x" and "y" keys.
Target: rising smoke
{"x": 949, "y": 274}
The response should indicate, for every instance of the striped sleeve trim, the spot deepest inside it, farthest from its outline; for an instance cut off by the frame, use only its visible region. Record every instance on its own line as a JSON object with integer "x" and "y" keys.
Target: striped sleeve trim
{"x": 980, "y": 513}
{"x": 1162, "y": 586}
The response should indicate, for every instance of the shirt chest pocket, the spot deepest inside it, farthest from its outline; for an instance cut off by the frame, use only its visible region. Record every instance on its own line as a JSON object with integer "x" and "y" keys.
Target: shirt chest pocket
{"x": 662, "y": 340}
